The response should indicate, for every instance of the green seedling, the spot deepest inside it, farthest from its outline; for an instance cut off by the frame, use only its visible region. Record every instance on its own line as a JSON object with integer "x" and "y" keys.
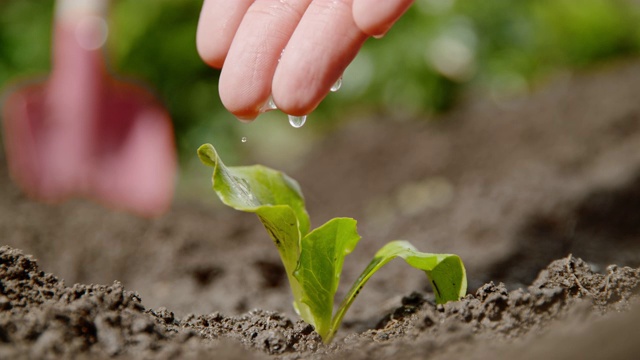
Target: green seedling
{"x": 313, "y": 259}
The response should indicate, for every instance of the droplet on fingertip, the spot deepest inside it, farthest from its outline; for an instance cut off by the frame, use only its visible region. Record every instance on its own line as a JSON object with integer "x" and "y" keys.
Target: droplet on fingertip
{"x": 269, "y": 105}
{"x": 297, "y": 121}
{"x": 245, "y": 120}
{"x": 337, "y": 85}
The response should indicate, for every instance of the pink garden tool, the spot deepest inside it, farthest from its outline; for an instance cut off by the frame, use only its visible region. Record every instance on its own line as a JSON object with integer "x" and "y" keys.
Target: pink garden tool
{"x": 85, "y": 133}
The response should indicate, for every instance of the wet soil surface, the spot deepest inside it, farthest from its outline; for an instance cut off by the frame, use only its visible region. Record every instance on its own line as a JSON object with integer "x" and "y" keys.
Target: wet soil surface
{"x": 539, "y": 195}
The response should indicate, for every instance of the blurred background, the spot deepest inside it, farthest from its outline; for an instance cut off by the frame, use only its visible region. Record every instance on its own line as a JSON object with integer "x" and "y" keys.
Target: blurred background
{"x": 439, "y": 52}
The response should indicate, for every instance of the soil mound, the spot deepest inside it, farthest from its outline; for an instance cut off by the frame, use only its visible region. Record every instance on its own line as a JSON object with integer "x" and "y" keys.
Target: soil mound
{"x": 42, "y": 318}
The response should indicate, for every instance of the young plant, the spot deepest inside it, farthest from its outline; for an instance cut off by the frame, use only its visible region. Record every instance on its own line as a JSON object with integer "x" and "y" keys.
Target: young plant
{"x": 313, "y": 259}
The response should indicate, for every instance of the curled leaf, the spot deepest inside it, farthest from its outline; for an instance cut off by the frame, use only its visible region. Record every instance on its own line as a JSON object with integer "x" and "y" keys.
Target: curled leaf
{"x": 275, "y": 198}
{"x": 445, "y": 272}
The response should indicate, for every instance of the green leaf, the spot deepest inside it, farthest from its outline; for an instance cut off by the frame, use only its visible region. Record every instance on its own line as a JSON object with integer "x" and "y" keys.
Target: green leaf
{"x": 248, "y": 188}
{"x": 320, "y": 266}
{"x": 445, "y": 272}
{"x": 275, "y": 198}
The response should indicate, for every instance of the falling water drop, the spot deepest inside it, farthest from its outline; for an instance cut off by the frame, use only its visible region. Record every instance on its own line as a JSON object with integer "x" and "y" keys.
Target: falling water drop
{"x": 244, "y": 139}
{"x": 297, "y": 121}
{"x": 337, "y": 85}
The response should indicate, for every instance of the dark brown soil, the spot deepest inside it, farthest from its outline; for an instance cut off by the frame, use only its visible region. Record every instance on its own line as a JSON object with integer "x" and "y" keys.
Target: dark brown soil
{"x": 43, "y": 318}
{"x": 513, "y": 187}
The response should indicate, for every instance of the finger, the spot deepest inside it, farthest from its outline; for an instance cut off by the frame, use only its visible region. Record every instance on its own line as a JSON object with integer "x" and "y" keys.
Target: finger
{"x": 245, "y": 81}
{"x": 323, "y": 44}
{"x": 219, "y": 21}
{"x": 375, "y": 17}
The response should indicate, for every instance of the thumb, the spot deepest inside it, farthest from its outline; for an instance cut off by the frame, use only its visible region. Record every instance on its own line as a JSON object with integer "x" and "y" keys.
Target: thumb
{"x": 375, "y": 17}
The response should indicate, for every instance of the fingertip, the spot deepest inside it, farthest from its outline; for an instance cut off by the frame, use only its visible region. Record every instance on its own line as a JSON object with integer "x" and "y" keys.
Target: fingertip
{"x": 298, "y": 109}
{"x": 241, "y": 110}
{"x": 241, "y": 98}
{"x": 295, "y": 98}
{"x": 245, "y": 120}
{"x": 249, "y": 116}
{"x": 366, "y": 23}
{"x": 314, "y": 60}
{"x": 210, "y": 51}
{"x": 298, "y": 92}
{"x": 375, "y": 18}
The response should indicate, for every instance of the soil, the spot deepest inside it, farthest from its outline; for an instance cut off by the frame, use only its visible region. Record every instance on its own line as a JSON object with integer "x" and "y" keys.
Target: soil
{"x": 539, "y": 195}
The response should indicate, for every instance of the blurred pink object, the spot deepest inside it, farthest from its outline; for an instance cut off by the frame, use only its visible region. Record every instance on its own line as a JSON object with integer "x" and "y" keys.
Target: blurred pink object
{"x": 85, "y": 133}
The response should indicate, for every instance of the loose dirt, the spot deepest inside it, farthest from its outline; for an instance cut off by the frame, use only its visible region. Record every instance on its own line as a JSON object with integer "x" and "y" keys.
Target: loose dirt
{"x": 43, "y": 318}
{"x": 513, "y": 186}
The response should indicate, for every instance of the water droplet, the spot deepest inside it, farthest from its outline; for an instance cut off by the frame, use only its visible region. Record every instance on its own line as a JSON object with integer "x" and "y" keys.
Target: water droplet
{"x": 269, "y": 105}
{"x": 337, "y": 85}
{"x": 297, "y": 121}
{"x": 242, "y": 191}
{"x": 244, "y": 139}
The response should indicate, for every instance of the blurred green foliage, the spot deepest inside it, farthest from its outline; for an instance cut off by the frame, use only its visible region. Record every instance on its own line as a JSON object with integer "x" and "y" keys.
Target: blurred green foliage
{"x": 437, "y": 49}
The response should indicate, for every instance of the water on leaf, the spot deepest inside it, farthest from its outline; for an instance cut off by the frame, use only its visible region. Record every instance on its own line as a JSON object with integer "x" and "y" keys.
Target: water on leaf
{"x": 244, "y": 139}
{"x": 297, "y": 121}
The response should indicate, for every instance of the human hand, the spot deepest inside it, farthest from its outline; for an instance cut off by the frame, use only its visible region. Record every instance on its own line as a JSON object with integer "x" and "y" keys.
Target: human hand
{"x": 292, "y": 50}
